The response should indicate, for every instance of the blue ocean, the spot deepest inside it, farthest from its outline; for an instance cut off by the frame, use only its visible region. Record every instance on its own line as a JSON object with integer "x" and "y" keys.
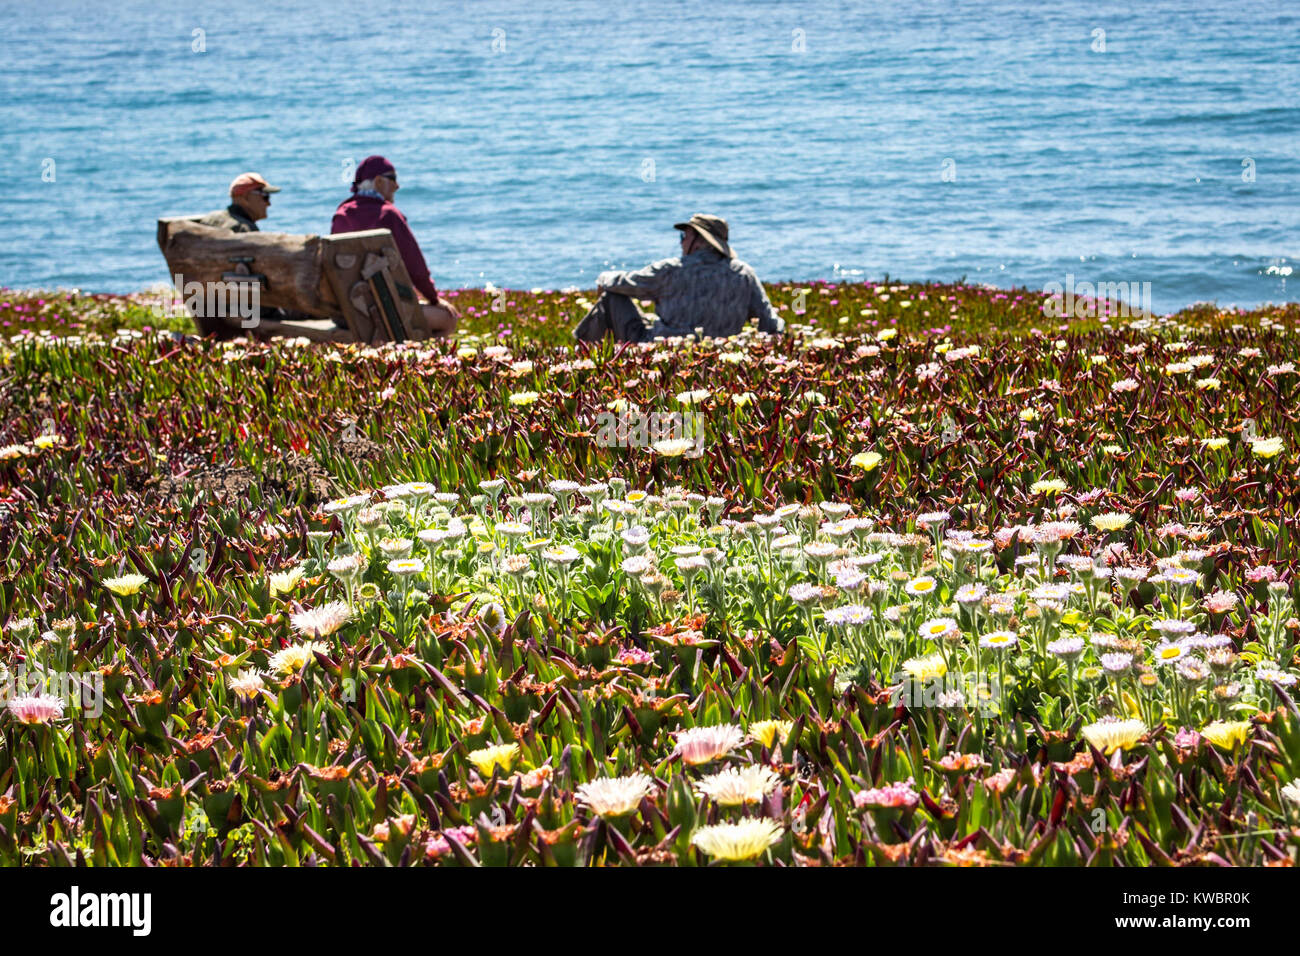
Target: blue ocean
{"x": 540, "y": 143}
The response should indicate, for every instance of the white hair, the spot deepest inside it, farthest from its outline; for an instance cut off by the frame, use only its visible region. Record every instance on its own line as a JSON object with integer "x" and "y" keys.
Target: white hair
{"x": 366, "y": 184}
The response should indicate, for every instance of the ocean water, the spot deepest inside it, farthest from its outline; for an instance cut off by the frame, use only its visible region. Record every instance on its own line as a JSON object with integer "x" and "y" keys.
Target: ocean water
{"x": 539, "y": 143}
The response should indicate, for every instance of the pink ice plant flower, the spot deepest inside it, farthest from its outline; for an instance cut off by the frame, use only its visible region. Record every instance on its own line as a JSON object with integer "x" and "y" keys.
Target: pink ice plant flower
{"x": 634, "y": 655}
{"x": 36, "y": 708}
{"x": 1221, "y": 602}
{"x": 897, "y": 795}
{"x": 437, "y": 845}
{"x": 702, "y": 744}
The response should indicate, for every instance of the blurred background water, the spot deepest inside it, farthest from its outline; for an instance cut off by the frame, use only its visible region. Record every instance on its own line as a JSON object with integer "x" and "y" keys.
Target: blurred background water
{"x": 539, "y": 143}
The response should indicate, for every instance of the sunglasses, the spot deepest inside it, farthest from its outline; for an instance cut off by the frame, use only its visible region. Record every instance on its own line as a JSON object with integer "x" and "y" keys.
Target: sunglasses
{"x": 263, "y": 193}
{"x": 388, "y": 176}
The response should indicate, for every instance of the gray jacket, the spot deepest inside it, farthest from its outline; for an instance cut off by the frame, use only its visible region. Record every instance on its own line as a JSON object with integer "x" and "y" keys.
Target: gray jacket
{"x": 700, "y": 289}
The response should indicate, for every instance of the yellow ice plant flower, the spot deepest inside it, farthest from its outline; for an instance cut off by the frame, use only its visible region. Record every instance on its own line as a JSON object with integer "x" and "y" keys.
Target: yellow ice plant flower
{"x": 732, "y": 787}
{"x": 285, "y": 581}
{"x": 693, "y": 397}
{"x": 499, "y": 755}
{"x": 126, "y": 584}
{"x": 10, "y": 452}
{"x": 1029, "y": 415}
{"x": 1215, "y": 444}
{"x": 321, "y": 621}
{"x": 1266, "y": 447}
{"x": 926, "y": 668}
{"x": 1111, "y": 521}
{"x": 616, "y": 796}
{"x": 743, "y": 399}
{"x": 743, "y": 840}
{"x": 1111, "y": 735}
{"x": 246, "y": 684}
{"x": 1227, "y": 733}
{"x": 47, "y": 440}
{"x": 524, "y": 398}
{"x": 886, "y": 334}
{"x": 1049, "y": 486}
{"x": 1212, "y": 384}
{"x": 766, "y": 731}
{"x": 866, "y": 460}
{"x": 674, "y": 447}
{"x": 294, "y": 658}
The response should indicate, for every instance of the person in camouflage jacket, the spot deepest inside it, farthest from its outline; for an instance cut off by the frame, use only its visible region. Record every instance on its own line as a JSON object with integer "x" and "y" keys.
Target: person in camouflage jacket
{"x": 250, "y": 200}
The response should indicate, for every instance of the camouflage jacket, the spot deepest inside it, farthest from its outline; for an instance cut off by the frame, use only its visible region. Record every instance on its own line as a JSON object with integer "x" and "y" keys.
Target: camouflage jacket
{"x": 698, "y": 290}
{"x": 232, "y": 217}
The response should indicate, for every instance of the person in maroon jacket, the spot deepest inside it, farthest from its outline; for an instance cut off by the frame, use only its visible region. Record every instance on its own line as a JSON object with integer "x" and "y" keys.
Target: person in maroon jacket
{"x": 371, "y": 207}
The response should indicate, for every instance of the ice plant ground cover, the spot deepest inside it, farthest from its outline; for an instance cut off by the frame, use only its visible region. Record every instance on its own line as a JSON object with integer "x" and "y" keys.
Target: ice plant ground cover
{"x": 965, "y": 595}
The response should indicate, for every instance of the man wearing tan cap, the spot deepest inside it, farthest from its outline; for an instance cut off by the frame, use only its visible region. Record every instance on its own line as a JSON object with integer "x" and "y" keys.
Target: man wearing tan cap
{"x": 250, "y": 198}
{"x": 706, "y": 288}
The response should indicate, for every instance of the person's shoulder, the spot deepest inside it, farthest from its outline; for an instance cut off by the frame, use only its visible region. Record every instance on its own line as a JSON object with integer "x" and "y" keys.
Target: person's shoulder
{"x": 340, "y": 220}
{"x": 218, "y": 217}
{"x": 658, "y": 267}
{"x": 744, "y": 268}
{"x": 388, "y": 213}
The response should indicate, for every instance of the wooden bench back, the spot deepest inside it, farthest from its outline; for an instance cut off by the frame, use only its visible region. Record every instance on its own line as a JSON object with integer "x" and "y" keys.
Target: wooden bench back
{"x": 371, "y": 284}
{"x": 358, "y": 277}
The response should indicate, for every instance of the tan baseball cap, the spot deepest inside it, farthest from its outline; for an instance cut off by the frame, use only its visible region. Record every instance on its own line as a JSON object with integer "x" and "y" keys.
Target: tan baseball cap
{"x": 248, "y": 182}
{"x": 712, "y": 229}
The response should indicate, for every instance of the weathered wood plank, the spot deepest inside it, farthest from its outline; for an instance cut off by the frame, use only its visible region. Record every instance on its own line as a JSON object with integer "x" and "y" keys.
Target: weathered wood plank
{"x": 291, "y": 264}
{"x": 325, "y": 276}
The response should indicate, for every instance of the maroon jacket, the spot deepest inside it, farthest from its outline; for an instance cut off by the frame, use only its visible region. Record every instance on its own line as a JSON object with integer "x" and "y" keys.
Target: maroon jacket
{"x": 367, "y": 212}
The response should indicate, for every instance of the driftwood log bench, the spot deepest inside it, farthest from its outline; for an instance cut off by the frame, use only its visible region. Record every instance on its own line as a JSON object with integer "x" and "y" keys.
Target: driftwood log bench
{"x": 273, "y": 284}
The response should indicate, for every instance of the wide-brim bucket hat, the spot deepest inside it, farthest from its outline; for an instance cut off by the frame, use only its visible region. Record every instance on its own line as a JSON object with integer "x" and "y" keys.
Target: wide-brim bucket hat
{"x": 712, "y": 229}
